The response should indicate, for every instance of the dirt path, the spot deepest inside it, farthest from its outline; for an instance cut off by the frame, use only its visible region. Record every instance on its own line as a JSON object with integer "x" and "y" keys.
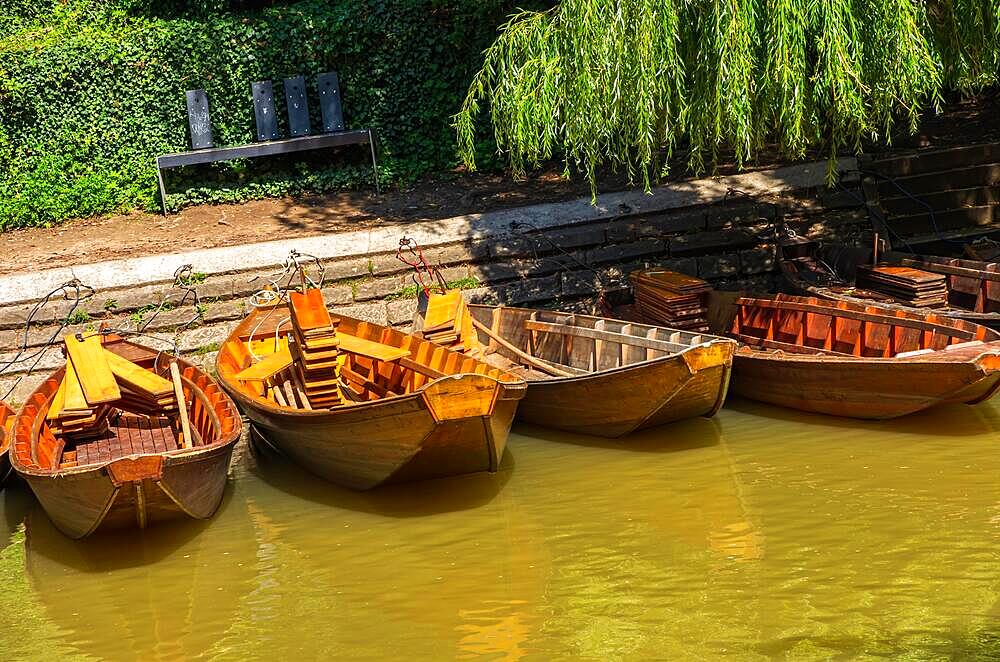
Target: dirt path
{"x": 92, "y": 240}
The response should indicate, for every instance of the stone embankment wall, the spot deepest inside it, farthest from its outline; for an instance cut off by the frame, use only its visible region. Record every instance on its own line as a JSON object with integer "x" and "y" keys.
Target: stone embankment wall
{"x": 719, "y": 229}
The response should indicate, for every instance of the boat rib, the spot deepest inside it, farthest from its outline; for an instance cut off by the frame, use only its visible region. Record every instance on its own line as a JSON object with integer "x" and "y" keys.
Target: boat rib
{"x": 6, "y": 422}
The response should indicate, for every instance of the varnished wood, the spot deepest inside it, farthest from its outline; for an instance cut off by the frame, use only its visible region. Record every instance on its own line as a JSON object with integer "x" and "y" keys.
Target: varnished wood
{"x": 623, "y": 376}
{"x": 426, "y": 413}
{"x": 96, "y": 379}
{"x": 6, "y": 424}
{"x": 88, "y": 484}
{"x": 859, "y": 361}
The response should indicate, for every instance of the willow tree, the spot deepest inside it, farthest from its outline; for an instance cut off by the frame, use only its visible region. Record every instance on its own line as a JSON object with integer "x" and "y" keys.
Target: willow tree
{"x": 622, "y": 82}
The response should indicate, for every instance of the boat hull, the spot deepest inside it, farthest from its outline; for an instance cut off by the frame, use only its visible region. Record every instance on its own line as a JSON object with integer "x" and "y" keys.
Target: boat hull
{"x": 616, "y": 402}
{"x": 876, "y": 389}
{"x": 6, "y": 422}
{"x": 393, "y": 441}
{"x": 455, "y": 423}
{"x": 84, "y": 502}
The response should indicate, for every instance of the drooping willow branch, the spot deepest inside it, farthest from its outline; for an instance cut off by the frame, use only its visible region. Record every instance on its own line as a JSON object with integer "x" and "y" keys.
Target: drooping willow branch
{"x": 620, "y": 82}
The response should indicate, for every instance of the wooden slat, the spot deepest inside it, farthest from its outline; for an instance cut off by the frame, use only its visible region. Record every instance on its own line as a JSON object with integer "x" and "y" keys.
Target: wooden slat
{"x": 58, "y": 402}
{"x": 92, "y": 369}
{"x": 861, "y": 316}
{"x": 268, "y": 367}
{"x": 310, "y": 310}
{"x": 607, "y": 336}
{"x": 75, "y": 399}
{"x": 422, "y": 369}
{"x": 937, "y": 267}
{"x": 138, "y": 378}
{"x": 371, "y": 349}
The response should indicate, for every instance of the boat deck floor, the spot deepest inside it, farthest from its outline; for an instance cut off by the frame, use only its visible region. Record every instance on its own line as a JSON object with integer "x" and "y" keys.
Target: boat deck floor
{"x": 128, "y": 435}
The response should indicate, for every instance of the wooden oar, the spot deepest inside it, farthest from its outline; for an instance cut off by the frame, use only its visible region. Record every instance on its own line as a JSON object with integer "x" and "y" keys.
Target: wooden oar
{"x": 175, "y": 376}
{"x": 533, "y": 361}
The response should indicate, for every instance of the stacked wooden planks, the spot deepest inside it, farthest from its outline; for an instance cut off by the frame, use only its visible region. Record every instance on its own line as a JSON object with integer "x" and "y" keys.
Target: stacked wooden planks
{"x": 308, "y": 367}
{"x": 913, "y": 287}
{"x": 447, "y": 322}
{"x": 316, "y": 350}
{"x": 98, "y": 383}
{"x": 671, "y": 298}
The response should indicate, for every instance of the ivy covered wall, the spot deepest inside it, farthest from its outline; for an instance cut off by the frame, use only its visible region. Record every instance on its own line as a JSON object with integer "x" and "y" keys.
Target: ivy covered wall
{"x": 92, "y": 90}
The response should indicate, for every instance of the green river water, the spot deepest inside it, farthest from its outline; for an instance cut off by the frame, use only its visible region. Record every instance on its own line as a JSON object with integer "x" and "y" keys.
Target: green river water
{"x": 760, "y": 534}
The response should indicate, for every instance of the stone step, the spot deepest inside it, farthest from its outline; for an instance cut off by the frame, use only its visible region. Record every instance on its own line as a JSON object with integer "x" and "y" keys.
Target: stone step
{"x": 945, "y": 180}
{"x": 979, "y": 196}
{"x": 954, "y": 219}
{"x": 935, "y": 160}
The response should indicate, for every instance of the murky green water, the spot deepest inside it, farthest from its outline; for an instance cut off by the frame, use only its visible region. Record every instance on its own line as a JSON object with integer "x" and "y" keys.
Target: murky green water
{"x": 762, "y": 533}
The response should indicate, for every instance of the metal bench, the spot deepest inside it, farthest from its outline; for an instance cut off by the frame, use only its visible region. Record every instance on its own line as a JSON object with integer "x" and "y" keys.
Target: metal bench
{"x": 269, "y": 141}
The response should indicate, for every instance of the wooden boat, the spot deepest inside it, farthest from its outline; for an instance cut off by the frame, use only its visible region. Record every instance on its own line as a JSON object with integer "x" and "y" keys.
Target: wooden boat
{"x": 860, "y": 361}
{"x": 595, "y": 375}
{"x": 409, "y": 410}
{"x": 141, "y": 460}
{"x": 830, "y": 271}
{"x": 6, "y": 421}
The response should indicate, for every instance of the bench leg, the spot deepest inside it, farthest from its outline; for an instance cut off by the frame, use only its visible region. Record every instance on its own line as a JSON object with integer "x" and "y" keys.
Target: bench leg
{"x": 163, "y": 190}
{"x": 371, "y": 143}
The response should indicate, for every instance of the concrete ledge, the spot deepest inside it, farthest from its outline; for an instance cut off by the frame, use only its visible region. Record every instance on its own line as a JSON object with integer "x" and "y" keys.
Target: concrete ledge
{"x": 133, "y": 272}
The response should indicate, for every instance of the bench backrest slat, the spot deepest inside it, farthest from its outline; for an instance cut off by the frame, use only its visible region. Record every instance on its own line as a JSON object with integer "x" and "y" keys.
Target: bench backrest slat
{"x": 298, "y": 107}
{"x": 263, "y": 110}
{"x": 329, "y": 101}
{"x": 198, "y": 119}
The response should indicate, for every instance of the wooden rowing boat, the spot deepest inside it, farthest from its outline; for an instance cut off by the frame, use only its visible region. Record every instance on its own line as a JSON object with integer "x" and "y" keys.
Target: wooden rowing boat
{"x": 599, "y": 376}
{"x": 860, "y": 361}
{"x": 409, "y": 410}
{"x": 136, "y": 466}
{"x": 829, "y": 272}
{"x": 6, "y": 421}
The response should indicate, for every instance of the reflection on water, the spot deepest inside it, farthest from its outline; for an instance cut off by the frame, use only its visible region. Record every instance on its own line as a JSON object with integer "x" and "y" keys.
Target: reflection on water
{"x": 762, "y": 533}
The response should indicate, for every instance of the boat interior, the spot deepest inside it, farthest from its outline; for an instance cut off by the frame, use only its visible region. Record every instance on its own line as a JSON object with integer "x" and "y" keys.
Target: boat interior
{"x": 375, "y": 362}
{"x": 128, "y": 427}
{"x": 542, "y": 344}
{"x": 807, "y": 325}
{"x": 972, "y": 285}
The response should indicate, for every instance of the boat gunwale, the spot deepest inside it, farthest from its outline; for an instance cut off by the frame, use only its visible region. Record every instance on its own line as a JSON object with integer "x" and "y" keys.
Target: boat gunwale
{"x": 174, "y": 457}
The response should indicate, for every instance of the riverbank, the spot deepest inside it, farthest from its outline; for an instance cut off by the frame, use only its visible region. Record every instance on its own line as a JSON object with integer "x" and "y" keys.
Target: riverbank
{"x": 554, "y": 254}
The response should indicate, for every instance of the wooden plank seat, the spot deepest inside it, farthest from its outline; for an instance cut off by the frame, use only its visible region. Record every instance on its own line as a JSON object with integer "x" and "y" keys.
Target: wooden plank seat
{"x": 269, "y": 143}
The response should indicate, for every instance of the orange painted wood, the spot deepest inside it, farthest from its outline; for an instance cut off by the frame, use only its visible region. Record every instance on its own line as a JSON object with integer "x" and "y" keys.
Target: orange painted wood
{"x": 310, "y": 310}
{"x": 75, "y": 400}
{"x": 269, "y": 366}
{"x": 92, "y": 369}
